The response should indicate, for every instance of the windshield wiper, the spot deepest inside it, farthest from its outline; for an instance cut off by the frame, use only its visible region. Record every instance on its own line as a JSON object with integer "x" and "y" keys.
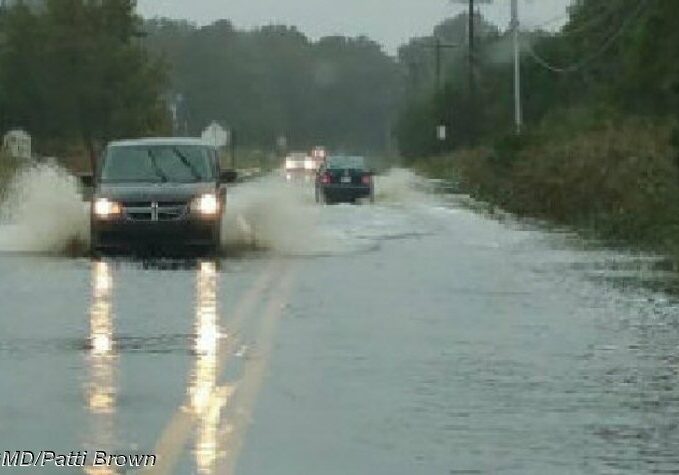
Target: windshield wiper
{"x": 187, "y": 163}
{"x": 159, "y": 173}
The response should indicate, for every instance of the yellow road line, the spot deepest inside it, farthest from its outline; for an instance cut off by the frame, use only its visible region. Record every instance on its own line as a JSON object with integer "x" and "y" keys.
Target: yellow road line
{"x": 173, "y": 439}
{"x": 240, "y": 411}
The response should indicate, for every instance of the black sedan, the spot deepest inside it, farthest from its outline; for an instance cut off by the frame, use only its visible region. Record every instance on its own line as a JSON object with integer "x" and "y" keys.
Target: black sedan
{"x": 156, "y": 194}
{"x": 344, "y": 179}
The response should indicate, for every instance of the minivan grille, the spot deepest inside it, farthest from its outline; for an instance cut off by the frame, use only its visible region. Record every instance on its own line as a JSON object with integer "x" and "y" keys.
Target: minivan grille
{"x": 153, "y": 211}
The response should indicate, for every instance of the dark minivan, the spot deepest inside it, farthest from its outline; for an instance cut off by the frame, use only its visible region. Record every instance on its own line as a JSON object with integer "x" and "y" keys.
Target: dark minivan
{"x": 158, "y": 194}
{"x": 344, "y": 179}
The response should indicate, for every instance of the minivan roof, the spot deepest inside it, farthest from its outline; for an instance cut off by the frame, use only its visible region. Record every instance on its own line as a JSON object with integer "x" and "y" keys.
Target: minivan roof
{"x": 160, "y": 141}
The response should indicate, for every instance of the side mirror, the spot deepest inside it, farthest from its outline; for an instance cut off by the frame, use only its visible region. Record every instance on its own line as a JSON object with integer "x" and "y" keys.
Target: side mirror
{"x": 86, "y": 180}
{"x": 228, "y": 176}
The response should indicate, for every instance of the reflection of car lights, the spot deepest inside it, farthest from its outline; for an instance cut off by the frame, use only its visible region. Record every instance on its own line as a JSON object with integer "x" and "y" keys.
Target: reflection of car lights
{"x": 288, "y": 176}
{"x": 206, "y": 205}
{"x": 105, "y": 208}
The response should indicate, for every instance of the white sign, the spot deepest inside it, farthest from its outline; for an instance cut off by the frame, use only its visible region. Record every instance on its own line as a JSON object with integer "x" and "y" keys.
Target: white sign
{"x": 441, "y": 132}
{"x": 216, "y": 135}
{"x": 17, "y": 143}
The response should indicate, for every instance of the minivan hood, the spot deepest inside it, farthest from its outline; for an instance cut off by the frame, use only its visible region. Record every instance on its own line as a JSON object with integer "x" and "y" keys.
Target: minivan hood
{"x": 159, "y": 192}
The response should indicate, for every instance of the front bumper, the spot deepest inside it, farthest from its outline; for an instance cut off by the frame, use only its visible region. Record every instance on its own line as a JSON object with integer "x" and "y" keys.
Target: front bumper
{"x": 124, "y": 234}
{"x": 345, "y": 192}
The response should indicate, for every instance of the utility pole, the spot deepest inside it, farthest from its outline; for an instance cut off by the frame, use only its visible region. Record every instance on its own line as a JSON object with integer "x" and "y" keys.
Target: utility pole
{"x": 472, "y": 78}
{"x": 438, "y": 47}
{"x": 437, "y": 52}
{"x": 471, "y": 45}
{"x": 518, "y": 112}
{"x": 471, "y": 27}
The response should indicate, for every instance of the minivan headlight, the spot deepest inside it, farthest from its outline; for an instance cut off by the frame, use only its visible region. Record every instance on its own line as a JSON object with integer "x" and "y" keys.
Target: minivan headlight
{"x": 105, "y": 208}
{"x": 206, "y": 205}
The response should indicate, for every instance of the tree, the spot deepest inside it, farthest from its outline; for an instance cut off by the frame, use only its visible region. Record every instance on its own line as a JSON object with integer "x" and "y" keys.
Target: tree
{"x": 76, "y": 72}
{"x": 340, "y": 92}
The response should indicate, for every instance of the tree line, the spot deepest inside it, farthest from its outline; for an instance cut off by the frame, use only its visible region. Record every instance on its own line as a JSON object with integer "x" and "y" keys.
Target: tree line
{"x": 77, "y": 73}
{"x": 611, "y": 60}
{"x": 274, "y": 81}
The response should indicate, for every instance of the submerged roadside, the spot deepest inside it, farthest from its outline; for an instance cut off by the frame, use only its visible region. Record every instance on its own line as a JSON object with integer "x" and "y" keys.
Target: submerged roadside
{"x": 616, "y": 181}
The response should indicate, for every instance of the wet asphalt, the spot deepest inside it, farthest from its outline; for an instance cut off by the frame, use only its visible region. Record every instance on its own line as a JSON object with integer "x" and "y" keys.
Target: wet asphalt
{"x": 425, "y": 338}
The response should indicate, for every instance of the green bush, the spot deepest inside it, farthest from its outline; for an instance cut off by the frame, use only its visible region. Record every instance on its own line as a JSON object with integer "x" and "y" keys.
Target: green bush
{"x": 619, "y": 178}
{"x": 622, "y": 179}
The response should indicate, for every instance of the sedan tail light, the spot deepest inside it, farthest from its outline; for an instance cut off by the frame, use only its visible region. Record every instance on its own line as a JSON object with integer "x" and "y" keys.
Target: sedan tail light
{"x": 367, "y": 179}
{"x": 325, "y": 178}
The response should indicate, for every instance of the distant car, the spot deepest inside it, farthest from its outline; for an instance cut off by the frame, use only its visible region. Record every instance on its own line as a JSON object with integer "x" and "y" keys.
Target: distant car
{"x": 344, "y": 179}
{"x": 298, "y": 166}
{"x": 158, "y": 194}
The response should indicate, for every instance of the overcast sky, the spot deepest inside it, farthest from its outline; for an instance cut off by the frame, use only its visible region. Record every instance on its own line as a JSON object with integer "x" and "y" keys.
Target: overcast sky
{"x": 390, "y": 22}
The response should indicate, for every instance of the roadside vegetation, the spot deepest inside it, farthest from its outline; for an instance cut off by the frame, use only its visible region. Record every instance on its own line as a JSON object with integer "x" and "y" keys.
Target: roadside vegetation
{"x": 74, "y": 74}
{"x": 77, "y": 73}
{"x": 619, "y": 181}
{"x": 599, "y": 149}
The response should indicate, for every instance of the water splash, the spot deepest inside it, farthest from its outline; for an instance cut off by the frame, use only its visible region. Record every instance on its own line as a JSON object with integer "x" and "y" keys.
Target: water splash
{"x": 284, "y": 219}
{"x": 403, "y": 187}
{"x": 273, "y": 215}
{"x": 44, "y": 212}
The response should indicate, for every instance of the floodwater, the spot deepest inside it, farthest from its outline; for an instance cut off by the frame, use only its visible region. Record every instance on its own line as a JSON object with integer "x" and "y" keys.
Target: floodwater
{"x": 415, "y": 336}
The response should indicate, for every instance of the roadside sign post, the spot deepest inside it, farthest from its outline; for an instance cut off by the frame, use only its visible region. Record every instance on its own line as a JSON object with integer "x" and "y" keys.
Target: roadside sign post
{"x": 216, "y": 135}
{"x": 441, "y": 133}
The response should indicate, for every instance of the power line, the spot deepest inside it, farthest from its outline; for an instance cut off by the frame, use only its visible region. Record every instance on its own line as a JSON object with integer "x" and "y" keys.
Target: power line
{"x": 549, "y": 22}
{"x": 592, "y": 21}
{"x": 604, "y": 47}
{"x": 438, "y": 47}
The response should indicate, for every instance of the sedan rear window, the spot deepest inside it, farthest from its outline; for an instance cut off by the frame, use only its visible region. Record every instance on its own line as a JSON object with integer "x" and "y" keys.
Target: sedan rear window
{"x": 346, "y": 163}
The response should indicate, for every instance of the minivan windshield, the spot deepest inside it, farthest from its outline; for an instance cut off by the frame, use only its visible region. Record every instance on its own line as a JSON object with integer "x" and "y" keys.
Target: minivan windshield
{"x": 158, "y": 163}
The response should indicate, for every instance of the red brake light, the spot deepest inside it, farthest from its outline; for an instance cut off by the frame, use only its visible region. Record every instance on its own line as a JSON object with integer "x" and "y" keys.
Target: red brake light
{"x": 367, "y": 179}
{"x": 325, "y": 178}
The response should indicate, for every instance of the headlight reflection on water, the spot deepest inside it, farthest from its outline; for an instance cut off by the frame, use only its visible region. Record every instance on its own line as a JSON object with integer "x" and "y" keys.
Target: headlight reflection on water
{"x": 206, "y": 399}
{"x": 102, "y": 357}
{"x": 102, "y": 362}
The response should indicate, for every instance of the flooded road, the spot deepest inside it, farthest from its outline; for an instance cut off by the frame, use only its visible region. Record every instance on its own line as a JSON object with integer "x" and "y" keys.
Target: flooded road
{"x": 416, "y": 336}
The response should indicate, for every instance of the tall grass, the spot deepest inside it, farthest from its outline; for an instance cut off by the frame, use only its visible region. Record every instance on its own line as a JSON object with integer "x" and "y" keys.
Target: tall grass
{"x": 620, "y": 179}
